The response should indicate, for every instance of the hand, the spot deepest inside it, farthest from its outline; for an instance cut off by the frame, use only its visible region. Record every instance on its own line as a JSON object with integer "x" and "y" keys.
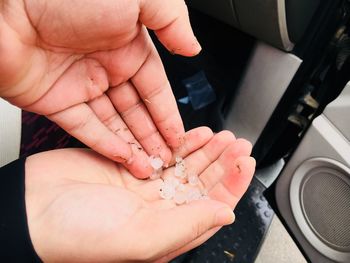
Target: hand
{"x": 92, "y": 68}
{"x": 82, "y": 207}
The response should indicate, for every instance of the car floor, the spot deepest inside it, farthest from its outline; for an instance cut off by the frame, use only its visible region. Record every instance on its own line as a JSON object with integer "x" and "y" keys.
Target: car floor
{"x": 241, "y": 241}
{"x": 278, "y": 246}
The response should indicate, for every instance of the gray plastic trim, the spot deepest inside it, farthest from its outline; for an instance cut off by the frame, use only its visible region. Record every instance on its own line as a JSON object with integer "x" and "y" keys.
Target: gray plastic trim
{"x": 265, "y": 20}
{"x": 286, "y": 43}
{"x": 299, "y": 176}
{"x": 267, "y": 77}
{"x": 222, "y": 10}
{"x": 10, "y": 132}
{"x": 338, "y": 112}
{"x": 267, "y": 175}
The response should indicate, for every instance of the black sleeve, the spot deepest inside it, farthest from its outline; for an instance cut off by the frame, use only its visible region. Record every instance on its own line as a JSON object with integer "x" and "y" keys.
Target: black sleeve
{"x": 15, "y": 243}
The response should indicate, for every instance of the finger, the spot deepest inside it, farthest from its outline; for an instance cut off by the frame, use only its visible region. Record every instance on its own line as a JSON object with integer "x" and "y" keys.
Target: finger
{"x": 234, "y": 184}
{"x": 161, "y": 101}
{"x": 142, "y": 62}
{"x": 180, "y": 225}
{"x": 193, "y": 140}
{"x": 229, "y": 191}
{"x": 139, "y": 166}
{"x": 81, "y": 122}
{"x": 135, "y": 114}
{"x": 225, "y": 164}
{"x": 171, "y": 23}
{"x": 199, "y": 160}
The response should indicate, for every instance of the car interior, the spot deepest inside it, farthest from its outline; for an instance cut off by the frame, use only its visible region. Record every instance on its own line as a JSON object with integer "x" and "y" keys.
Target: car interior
{"x": 276, "y": 73}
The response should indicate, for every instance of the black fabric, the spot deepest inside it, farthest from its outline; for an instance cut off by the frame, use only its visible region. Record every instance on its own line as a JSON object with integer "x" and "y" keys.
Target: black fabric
{"x": 39, "y": 134}
{"x": 223, "y": 60}
{"x": 15, "y": 243}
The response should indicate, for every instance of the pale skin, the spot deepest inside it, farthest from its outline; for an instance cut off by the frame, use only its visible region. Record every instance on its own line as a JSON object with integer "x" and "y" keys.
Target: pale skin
{"x": 93, "y": 69}
{"x": 83, "y": 207}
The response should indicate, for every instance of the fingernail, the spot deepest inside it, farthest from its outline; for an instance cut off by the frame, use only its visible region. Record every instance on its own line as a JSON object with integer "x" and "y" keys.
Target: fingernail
{"x": 253, "y": 161}
{"x": 119, "y": 159}
{"x": 225, "y": 216}
{"x": 197, "y": 44}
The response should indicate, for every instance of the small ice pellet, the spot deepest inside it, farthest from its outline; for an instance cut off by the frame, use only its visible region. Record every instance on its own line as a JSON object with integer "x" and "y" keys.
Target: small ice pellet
{"x": 181, "y": 188}
{"x": 180, "y": 168}
{"x": 193, "y": 194}
{"x": 156, "y": 162}
{"x": 193, "y": 180}
{"x": 180, "y": 198}
{"x": 155, "y": 175}
{"x": 172, "y": 181}
{"x": 174, "y": 187}
{"x": 204, "y": 197}
{"x": 180, "y": 171}
{"x": 204, "y": 191}
{"x": 167, "y": 191}
{"x": 178, "y": 159}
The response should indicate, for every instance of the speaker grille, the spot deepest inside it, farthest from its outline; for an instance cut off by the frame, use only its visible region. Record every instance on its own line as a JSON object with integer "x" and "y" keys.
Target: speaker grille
{"x": 325, "y": 197}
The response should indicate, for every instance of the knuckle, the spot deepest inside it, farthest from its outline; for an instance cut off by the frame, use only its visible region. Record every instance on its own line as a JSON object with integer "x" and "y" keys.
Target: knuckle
{"x": 197, "y": 229}
{"x": 80, "y": 123}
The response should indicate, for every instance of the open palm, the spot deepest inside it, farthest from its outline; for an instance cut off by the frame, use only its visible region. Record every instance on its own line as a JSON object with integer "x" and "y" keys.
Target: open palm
{"x": 92, "y": 68}
{"x": 84, "y": 208}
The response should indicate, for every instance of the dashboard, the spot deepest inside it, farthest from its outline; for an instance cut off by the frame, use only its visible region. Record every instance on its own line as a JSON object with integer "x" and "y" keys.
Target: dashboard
{"x": 281, "y": 23}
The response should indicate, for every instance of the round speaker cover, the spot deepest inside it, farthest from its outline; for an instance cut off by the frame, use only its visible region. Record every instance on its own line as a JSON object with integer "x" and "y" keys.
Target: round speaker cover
{"x": 320, "y": 201}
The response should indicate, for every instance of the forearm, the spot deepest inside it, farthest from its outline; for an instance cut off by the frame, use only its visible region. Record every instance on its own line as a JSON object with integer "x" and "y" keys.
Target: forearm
{"x": 15, "y": 243}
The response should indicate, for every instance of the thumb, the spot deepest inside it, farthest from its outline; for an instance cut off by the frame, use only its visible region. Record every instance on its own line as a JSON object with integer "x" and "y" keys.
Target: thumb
{"x": 170, "y": 21}
{"x": 183, "y": 224}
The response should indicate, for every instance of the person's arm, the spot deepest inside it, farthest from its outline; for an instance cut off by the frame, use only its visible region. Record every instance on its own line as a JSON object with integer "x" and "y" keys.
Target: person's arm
{"x": 15, "y": 243}
{"x": 93, "y": 69}
{"x": 76, "y": 206}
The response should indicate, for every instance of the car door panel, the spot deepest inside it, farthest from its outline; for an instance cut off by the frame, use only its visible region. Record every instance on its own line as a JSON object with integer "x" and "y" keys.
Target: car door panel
{"x": 264, "y": 83}
{"x": 313, "y": 191}
{"x": 278, "y": 22}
